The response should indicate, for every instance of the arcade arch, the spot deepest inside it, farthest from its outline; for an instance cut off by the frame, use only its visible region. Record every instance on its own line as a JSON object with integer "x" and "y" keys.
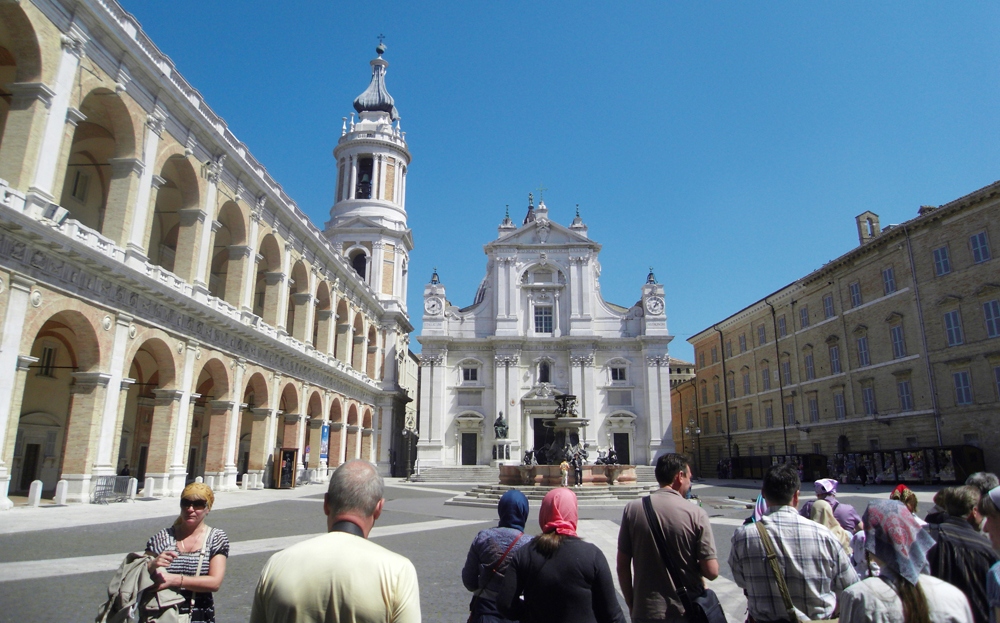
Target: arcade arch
{"x": 267, "y": 284}
{"x": 229, "y": 255}
{"x": 173, "y": 235}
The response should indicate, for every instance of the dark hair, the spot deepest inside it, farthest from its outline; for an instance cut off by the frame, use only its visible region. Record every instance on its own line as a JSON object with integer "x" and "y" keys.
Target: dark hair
{"x": 984, "y": 481}
{"x": 960, "y": 501}
{"x": 547, "y": 543}
{"x": 988, "y": 508}
{"x": 914, "y": 602}
{"x": 668, "y": 466}
{"x": 781, "y": 482}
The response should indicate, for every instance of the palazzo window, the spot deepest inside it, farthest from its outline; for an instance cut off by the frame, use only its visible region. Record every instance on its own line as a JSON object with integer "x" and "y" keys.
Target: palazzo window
{"x": 980, "y": 247}
{"x": 991, "y": 311}
{"x": 963, "y": 387}
{"x": 746, "y": 383}
{"x": 47, "y": 362}
{"x": 80, "y": 182}
{"x": 898, "y": 343}
{"x": 782, "y": 328}
{"x": 544, "y": 372}
{"x": 864, "y": 357}
{"x": 953, "y": 328}
{"x": 888, "y": 280}
{"x": 868, "y": 399}
{"x": 828, "y": 311}
{"x": 761, "y": 335}
{"x": 543, "y": 319}
{"x": 835, "y": 359}
{"x": 855, "y": 288}
{"x": 803, "y": 316}
{"x": 743, "y": 342}
{"x": 813, "y": 408}
{"x": 942, "y": 262}
{"x": 905, "y": 392}
{"x": 769, "y": 416}
{"x": 765, "y": 378}
{"x": 748, "y": 414}
{"x": 618, "y": 374}
{"x": 470, "y": 375}
{"x": 810, "y": 365}
{"x": 366, "y": 168}
{"x": 839, "y": 406}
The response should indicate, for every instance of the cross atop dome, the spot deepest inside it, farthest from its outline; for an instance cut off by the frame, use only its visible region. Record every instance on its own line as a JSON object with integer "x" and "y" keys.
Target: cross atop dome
{"x": 376, "y": 97}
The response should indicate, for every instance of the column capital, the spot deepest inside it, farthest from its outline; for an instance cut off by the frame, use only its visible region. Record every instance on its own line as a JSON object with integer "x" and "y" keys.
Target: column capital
{"x": 222, "y": 406}
{"x": 294, "y": 418}
{"x": 24, "y": 362}
{"x": 74, "y": 42}
{"x": 91, "y": 379}
{"x": 123, "y": 167}
{"x": 156, "y": 121}
{"x": 126, "y": 384}
{"x": 74, "y": 116}
{"x": 23, "y": 92}
{"x": 21, "y": 282}
{"x": 212, "y": 171}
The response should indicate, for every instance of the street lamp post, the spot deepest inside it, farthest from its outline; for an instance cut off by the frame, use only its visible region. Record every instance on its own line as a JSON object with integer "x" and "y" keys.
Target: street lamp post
{"x": 692, "y": 429}
{"x": 409, "y": 437}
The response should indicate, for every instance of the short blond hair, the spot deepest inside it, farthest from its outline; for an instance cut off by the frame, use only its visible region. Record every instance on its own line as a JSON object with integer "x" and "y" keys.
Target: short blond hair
{"x": 199, "y": 491}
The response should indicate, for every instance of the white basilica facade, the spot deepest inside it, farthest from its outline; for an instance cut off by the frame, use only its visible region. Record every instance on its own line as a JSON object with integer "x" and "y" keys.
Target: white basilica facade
{"x": 539, "y": 328}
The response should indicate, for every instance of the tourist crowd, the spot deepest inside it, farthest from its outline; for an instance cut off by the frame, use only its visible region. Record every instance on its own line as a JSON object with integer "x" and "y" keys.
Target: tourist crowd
{"x": 821, "y": 562}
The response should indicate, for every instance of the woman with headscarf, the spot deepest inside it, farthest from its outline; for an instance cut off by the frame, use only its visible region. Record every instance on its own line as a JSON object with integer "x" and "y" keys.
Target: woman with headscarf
{"x": 989, "y": 508}
{"x": 822, "y": 513}
{"x": 490, "y": 555}
{"x": 902, "y": 592}
{"x": 189, "y": 557}
{"x": 559, "y": 578}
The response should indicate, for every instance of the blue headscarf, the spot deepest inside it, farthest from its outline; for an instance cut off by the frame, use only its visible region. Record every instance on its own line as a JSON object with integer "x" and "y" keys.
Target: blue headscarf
{"x": 513, "y": 510}
{"x": 893, "y": 534}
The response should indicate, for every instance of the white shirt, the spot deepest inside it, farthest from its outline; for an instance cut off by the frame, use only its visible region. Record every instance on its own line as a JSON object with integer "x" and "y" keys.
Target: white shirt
{"x": 874, "y": 600}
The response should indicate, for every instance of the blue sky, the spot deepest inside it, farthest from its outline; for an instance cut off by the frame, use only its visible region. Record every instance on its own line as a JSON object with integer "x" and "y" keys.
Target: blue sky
{"x": 727, "y": 144}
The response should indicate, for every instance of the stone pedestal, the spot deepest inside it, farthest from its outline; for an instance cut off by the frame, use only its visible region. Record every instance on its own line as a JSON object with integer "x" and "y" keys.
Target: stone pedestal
{"x": 501, "y": 452}
{"x": 550, "y": 475}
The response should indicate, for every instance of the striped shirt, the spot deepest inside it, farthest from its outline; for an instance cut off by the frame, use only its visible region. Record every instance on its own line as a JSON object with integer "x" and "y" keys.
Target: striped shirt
{"x": 203, "y": 606}
{"x": 815, "y": 565}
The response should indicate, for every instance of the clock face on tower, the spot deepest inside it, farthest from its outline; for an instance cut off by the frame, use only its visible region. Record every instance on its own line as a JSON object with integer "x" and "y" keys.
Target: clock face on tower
{"x": 432, "y": 306}
{"x": 654, "y": 305}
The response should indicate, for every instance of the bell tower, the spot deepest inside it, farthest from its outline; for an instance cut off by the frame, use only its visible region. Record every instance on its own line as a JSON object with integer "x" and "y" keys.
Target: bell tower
{"x": 368, "y": 218}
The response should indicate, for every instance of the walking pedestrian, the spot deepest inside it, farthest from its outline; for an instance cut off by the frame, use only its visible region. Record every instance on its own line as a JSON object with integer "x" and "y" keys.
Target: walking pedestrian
{"x": 847, "y": 516}
{"x": 811, "y": 562}
{"x": 490, "y": 555}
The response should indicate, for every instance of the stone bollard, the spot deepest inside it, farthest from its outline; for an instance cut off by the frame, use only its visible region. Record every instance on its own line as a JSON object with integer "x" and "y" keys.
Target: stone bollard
{"x": 61, "y": 490}
{"x": 245, "y": 482}
{"x": 210, "y": 481}
{"x": 133, "y": 485}
{"x": 199, "y": 479}
{"x": 35, "y": 493}
{"x": 147, "y": 488}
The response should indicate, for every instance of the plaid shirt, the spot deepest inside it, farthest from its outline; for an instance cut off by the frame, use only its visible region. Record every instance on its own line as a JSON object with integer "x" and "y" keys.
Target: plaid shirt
{"x": 815, "y": 565}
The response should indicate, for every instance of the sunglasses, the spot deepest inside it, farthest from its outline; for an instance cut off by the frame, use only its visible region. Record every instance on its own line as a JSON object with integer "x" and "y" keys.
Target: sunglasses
{"x": 195, "y": 504}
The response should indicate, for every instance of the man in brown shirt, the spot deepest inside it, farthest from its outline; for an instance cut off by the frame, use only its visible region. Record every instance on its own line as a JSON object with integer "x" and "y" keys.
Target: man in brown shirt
{"x": 649, "y": 591}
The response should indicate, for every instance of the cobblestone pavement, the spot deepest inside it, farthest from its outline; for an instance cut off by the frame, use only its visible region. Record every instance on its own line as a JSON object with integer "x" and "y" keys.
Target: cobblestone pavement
{"x": 55, "y": 562}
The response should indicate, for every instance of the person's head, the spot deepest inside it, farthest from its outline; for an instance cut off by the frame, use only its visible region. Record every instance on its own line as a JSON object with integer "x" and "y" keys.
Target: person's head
{"x": 825, "y": 487}
{"x": 984, "y": 481}
{"x": 962, "y": 502}
{"x": 895, "y": 539}
{"x": 513, "y": 510}
{"x": 903, "y": 494}
{"x": 673, "y": 470}
{"x": 196, "y": 502}
{"x": 557, "y": 517}
{"x": 781, "y": 485}
{"x": 989, "y": 508}
{"x": 355, "y": 494}
{"x": 822, "y": 513}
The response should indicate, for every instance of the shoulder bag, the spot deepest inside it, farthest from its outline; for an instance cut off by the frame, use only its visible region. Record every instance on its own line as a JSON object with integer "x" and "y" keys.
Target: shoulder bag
{"x": 171, "y": 605}
{"x": 772, "y": 559}
{"x": 700, "y": 606}
{"x": 493, "y": 570}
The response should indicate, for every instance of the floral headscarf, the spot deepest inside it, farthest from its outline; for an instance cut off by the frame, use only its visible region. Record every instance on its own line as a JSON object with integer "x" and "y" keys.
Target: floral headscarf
{"x": 558, "y": 513}
{"x": 894, "y": 536}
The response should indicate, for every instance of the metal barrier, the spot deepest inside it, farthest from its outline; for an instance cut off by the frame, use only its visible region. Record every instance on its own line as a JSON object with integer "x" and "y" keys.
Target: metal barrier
{"x": 110, "y": 489}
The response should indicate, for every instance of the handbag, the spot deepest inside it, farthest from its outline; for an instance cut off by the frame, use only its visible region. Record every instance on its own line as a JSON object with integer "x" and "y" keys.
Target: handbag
{"x": 699, "y": 607}
{"x": 170, "y": 605}
{"x": 493, "y": 569}
{"x": 772, "y": 559}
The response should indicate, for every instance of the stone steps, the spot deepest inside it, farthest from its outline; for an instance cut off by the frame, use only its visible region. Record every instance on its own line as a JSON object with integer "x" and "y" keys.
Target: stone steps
{"x": 487, "y": 496}
{"x": 461, "y": 473}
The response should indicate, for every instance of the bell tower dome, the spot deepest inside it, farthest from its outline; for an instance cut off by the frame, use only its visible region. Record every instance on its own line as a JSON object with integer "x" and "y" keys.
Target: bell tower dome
{"x": 368, "y": 218}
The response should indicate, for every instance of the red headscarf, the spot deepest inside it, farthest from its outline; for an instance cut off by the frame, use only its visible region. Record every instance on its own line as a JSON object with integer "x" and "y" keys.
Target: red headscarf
{"x": 558, "y": 513}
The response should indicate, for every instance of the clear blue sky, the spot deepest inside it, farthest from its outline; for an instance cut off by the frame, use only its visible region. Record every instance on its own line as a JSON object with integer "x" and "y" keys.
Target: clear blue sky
{"x": 727, "y": 144}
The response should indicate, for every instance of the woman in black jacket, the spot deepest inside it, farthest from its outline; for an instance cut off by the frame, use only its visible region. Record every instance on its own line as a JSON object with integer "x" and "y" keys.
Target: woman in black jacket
{"x": 558, "y": 577}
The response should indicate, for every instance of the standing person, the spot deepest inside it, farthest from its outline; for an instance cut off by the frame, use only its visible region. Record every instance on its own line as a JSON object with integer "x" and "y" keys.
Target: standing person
{"x": 847, "y": 516}
{"x": 564, "y": 472}
{"x": 577, "y": 470}
{"x": 961, "y": 555}
{"x": 989, "y": 508}
{"x": 863, "y": 474}
{"x": 562, "y": 578}
{"x": 902, "y": 592}
{"x": 490, "y": 555}
{"x": 822, "y": 513}
{"x": 341, "y": 576}
{"x": 812, "y": 561}
{"x": 190, "y": 557}
{"x": 648, "y": 589}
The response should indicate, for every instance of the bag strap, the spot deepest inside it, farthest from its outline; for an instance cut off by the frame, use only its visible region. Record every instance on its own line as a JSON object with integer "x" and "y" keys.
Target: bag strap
{"x": 204, "y": 549}
{"x": 772, "y": 559}
{"x": 476, "y": 595}
{"x": 661, "y": 546}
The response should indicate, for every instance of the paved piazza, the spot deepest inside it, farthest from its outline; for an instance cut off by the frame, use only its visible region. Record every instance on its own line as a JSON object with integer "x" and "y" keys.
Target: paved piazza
{"x": 55, "y": 562}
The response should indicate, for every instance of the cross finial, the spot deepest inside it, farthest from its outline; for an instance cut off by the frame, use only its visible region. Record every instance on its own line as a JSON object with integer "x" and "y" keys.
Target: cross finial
{"x": 541, "y": 192}
{"x": 507, "y": 211}
{"x": 380, "y": 37}
{"x": 578, "y": 210}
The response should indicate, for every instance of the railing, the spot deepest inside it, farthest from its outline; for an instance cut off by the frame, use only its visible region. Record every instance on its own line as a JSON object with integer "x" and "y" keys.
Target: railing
{"x": 110, "y": 489}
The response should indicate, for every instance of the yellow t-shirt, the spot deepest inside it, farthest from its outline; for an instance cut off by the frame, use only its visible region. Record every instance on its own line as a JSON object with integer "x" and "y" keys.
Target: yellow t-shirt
{"x": 337, "y": 577}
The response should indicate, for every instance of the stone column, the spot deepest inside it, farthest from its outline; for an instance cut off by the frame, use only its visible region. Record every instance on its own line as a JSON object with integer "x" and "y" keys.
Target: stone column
{"x": 324, "y": 335}
{"x": 88, "y": 398}
{"x": 199, "y": 275}
{"x": 431, "y": 446}
{"x": 40, "y": 193}
{"x": 126, "y": 175}
{"x": 315, "y": 443}
{"x": 377, "y": 261}
{"x": 283, "y": 289}
{"x": 220, "y": 421}
{"x": 260, "y": 446}
{"x": 73, "y": 118}
{"x": 139, "y": 258}
{"x": 227, "y": 482}
{"x": 194, "y": 222}
{"x": 110, "y": 426}
{"x": 29, "y": 110}
{"x": 303, "y": 324}
{"x": 250, "y": 276}
{"x": 123, "y": 388}
{"x": 24, "y": 363}
{"x": 11, "y": 385}
{"x": 178, "y": 466}
{"x": 337, "y": 444}
{"x": 163, "y": 437}
{"x": 556, "y": 329}
{"x": 135, "y": 251}
{"x": 240, "y": 263}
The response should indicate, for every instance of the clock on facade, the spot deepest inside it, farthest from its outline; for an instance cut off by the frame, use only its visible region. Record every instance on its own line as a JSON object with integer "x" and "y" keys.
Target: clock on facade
{"x": 654, "y": 306}
{"x": 433, "y": 306}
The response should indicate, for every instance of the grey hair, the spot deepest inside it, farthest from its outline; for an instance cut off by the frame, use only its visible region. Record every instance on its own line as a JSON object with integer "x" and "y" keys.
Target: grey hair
{"x": 984, "y": 481}
{"x": 355, "y": 486}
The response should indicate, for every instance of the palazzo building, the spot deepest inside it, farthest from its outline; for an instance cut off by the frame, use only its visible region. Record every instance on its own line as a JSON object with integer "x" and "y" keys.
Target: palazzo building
{"x": 165, "y": 304}
{"x": 539, "y": 328}
{"x": 894, "y": 345}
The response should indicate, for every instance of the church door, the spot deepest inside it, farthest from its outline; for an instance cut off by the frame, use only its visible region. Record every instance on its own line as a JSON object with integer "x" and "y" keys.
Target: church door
{"x": 470, "y": 441}
{"x": 621, "y": 448}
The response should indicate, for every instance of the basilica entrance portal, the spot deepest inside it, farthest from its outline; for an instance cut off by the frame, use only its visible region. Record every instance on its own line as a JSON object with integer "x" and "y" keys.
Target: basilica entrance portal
{"x": 470, "y": 442}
